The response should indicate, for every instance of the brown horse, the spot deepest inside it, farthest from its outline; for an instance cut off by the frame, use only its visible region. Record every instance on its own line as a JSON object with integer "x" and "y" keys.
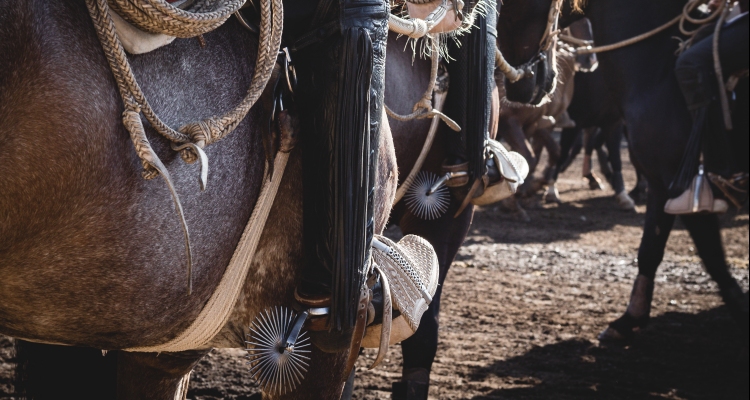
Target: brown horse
{"x": 528, "y": 129}
{"x": 92, "y": 255}
{"x": 406, "y": 80}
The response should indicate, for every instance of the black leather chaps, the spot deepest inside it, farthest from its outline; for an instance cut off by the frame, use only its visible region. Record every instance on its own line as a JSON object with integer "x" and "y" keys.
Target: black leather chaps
{"x": 472, "y": 80}
{"x": 341, "y": 83}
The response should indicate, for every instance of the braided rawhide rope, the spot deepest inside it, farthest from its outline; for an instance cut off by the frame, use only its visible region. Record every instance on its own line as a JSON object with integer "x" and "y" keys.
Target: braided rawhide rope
{"x": 158, "y": 16}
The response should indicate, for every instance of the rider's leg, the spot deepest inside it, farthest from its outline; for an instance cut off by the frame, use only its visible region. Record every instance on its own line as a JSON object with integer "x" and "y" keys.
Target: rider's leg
{"x": 697, "y": 79}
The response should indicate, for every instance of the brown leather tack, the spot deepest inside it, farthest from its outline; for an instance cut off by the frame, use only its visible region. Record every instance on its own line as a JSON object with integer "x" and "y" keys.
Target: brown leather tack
{"x": 359, "y": 330}
{"x": 478, "y": 184}
{"x": 318, "y": 323}
{"x": 289, "y": 127}
{"x": 315, "y": 301}
{"x": 459, "y": 180}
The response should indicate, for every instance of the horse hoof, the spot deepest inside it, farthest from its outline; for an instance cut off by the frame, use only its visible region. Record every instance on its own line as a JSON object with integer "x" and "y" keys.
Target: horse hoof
{"x": 594, "y": 182}
{"x": 624, "y": 202}
{"x": 611, "y": 335}
{"x": 552, "y": 195}
{"x": 409, "y": 390}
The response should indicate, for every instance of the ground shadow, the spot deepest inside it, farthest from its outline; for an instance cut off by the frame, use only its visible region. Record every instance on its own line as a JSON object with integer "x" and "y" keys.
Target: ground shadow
{"x": 569, "y": 221}
{"x": 679, "y": 356}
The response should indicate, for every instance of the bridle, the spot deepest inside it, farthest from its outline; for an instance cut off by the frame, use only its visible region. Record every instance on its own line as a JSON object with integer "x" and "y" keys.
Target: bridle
{"x": 514, "y": 74}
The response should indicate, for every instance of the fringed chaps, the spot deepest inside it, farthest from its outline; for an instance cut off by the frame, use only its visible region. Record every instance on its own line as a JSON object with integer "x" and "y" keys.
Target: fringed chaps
{"x": 470, "y": 99}
{"x": 340, "y": 157}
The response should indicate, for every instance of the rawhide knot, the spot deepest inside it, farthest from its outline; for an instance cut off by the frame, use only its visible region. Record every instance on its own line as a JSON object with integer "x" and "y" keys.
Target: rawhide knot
{"x": 202, "y": 133}
{"x": 423, "y": 104}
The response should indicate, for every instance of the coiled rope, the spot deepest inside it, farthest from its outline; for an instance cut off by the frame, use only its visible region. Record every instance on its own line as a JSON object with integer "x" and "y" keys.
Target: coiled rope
{"x": 424, "y": 107}
{"x": 416, "y": 28}
{"x": 158, "y": 16}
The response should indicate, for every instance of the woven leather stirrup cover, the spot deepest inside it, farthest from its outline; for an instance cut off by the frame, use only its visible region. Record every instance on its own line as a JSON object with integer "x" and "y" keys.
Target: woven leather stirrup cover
{"x": 412, "y": 270}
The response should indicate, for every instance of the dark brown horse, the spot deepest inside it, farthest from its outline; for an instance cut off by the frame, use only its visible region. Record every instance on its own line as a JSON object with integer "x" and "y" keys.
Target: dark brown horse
{"x": 92, "y": 255}
{"x": 406, "y": 79}
{"x": 642, "y": 82}
{"x": 528, "y": 130}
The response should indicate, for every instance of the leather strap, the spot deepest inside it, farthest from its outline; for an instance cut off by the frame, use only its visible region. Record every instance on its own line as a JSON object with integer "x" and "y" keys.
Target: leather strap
{"x": 314, "y": 301}
{"x": 385, "y": 332}
{"x": 359, "y": 330}
{"x": 479, "y": 182}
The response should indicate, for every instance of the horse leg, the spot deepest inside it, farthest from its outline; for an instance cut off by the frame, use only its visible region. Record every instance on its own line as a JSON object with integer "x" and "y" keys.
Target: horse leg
{"x": 590, "y": 136}
{"x": 655, "y": 234}
{"x": 706, "y": 233}
{"x": 510, "y": 129}
{"x": 64, "y": 372}
{"x": 602, "y": 155}
{"x": 571, "y": 143}
{"x": 613, "y": 141}
{"x": 446, "y": 234}
{"x": 641, "y": 186}
{"x": 155, "y": 375}
{"x": 544, "y": 138}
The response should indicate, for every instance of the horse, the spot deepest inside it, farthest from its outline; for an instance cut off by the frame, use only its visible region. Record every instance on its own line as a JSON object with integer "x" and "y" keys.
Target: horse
{"x": 406, "y": 78}
{"x": 642, "y": 81}
{"x": 598, "y": 119}
{"x": 528, "y": 130}
{"x": 92, "y": 259}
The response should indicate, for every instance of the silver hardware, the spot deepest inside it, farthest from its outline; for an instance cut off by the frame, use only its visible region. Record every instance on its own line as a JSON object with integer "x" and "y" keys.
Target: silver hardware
{"x": 316, "y": 312}
{"x": 698, "y": 187}
{"x": 277, "y": 350}
{"x": 289, "y": 71}
{"x": 428, "y": 197}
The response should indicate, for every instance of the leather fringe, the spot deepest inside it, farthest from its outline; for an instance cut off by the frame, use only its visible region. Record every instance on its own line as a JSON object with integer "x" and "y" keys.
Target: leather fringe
{"x": 479, "y": 98}
{"x": 352, "y": 177}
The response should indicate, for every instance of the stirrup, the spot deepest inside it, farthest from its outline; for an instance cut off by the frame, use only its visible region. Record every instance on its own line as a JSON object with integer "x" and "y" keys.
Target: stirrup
{"x": 697, "y": 198}
{"x": 510, "y": 168}
{"x": 407, "y": 274}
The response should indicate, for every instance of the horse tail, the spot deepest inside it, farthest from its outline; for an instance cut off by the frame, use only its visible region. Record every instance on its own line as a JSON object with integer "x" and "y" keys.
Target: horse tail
{"x": 46, "y": 371}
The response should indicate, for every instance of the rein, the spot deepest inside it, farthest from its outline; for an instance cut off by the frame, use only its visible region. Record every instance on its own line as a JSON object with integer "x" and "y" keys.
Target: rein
{"x": 720, "y": 13}
{"x": 157, "y": 16}
{"x": 681, "y": 19}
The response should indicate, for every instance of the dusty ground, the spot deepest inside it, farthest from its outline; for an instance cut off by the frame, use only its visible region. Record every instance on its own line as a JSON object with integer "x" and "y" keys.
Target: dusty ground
{"x": 523, "y": 304}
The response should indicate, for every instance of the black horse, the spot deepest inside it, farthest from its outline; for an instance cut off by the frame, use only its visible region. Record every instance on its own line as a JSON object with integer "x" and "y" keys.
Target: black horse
{"x": 594, "y": 109}
{"x": 642, "y": 81}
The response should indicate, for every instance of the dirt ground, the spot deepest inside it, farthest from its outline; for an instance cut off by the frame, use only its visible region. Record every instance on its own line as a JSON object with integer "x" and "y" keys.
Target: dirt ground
{"x": 523, "y": 304}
